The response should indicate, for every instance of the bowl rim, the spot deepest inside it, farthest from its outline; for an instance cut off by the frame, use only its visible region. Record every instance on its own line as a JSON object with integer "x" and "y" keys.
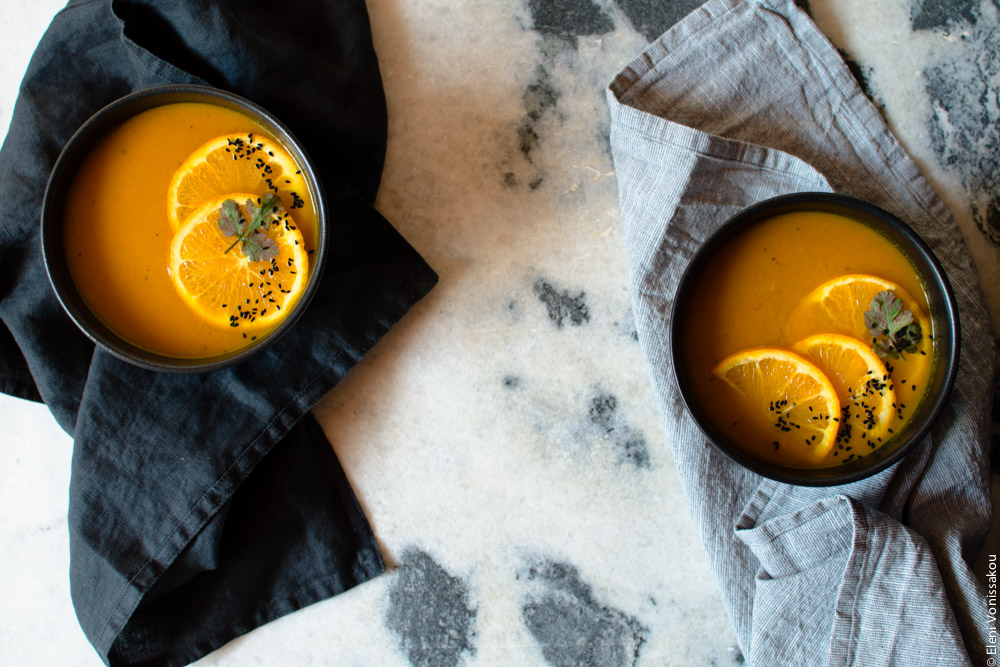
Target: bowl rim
{"x": 84, "y": 140}
{"x": 947, "y": 317}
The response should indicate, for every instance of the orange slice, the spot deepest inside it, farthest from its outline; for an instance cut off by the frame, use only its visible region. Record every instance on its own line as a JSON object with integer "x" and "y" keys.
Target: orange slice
{"x": 786, "y": 402}
{"x": 239, "y": 162}
{"x": 839, "y": 306}
{"x": 863, "y": 387}
{"x": 226, "y": 288}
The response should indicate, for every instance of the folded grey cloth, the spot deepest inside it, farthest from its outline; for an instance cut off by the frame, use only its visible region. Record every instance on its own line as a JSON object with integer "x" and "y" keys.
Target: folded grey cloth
{"x": 739, "y": 102}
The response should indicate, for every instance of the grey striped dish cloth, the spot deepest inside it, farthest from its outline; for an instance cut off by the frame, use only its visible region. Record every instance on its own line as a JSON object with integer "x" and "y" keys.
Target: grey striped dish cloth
{"x": 739, "y": 102}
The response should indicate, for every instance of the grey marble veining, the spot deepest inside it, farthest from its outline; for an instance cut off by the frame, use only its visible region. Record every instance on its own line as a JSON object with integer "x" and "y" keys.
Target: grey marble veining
{"x": 502, "y": 438}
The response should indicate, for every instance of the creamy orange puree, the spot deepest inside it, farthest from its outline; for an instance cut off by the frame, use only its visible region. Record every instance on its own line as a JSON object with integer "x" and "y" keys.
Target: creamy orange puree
{"x": 748, "y": 290}
{"x": 118, "y": 239}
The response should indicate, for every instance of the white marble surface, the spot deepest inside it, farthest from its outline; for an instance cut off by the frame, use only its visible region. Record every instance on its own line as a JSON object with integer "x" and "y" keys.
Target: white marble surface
{"x": 503, "y": 438}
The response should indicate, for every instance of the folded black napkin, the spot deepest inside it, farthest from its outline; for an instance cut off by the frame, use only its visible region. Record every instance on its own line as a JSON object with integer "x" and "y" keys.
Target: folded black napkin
{"x": 203, "y": 505}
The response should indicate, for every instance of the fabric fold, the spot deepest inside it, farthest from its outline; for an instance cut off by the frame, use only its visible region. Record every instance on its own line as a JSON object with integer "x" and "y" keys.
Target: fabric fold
{"x": 205, "y": 504}
{"x": 880, "y": 575}
{"x": 700, "y": 130}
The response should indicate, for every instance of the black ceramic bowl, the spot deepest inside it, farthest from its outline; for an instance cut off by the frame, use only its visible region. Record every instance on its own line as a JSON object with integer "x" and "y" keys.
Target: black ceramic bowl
{"x": 943, "y": 312}
{"x": 72, "y": 156}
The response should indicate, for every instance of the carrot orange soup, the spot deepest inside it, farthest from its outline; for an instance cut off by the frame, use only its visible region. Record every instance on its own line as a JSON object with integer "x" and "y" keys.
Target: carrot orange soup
{"x": 807, "y": 339}
{"x": 188, "y": 230}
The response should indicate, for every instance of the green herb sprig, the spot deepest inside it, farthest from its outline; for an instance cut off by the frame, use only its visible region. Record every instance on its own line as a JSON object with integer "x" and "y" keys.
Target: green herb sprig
{"x": 256, "y": 244}
{"x": 891, "y": 326}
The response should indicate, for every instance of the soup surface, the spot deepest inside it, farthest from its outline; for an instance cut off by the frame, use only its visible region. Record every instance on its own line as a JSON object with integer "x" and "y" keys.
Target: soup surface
{"x": 756, "y": 303}
{"x": 118, "y": 235}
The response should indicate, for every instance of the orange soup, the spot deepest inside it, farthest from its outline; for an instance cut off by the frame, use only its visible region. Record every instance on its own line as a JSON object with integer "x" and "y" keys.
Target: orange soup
{"x": 780, "y": 355}
{"x": 136, "y": 192}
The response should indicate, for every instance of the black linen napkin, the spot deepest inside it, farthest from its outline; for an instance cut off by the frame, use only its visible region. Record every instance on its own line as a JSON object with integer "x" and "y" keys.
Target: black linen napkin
{"x": 203, "y": 505}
